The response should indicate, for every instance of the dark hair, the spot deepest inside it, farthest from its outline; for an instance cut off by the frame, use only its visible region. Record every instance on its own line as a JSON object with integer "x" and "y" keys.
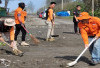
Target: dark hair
{"x": 53, "y": 3}
{"x": 78, "y": 6}
{"x": 22, "y": 5}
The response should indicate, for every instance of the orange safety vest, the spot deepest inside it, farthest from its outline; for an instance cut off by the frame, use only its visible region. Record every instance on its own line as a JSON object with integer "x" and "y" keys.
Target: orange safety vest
{"x": 22, "y": 13}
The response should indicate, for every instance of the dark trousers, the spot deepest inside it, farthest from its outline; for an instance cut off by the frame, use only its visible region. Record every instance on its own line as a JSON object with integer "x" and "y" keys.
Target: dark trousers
{"x": 17, "y": 31}
{"x": 75, "y": 27}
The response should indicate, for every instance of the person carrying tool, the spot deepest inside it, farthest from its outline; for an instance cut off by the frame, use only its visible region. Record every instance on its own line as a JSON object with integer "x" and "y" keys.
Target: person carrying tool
{"x": 76, "y": 14}
{"x": 20, "y": 19}
{"x": 50, "y": 22}
{"x": 90, "y": 28}
{"x": 7, "y": 28}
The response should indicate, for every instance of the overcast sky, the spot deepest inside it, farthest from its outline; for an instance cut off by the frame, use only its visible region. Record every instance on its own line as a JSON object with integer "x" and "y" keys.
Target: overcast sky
{"x": 13, "y": 4}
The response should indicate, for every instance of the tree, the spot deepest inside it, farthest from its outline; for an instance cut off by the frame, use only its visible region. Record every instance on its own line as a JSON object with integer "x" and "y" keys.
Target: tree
{"x": 6, "y": 3}
{"x": 57, "y": 1}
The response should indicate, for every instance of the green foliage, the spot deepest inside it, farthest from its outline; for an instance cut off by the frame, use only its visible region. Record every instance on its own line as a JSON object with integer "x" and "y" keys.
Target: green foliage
{"x": 3, "y": 44}
{"x": 2, "y": 9}
{"x": 97, "y": 13}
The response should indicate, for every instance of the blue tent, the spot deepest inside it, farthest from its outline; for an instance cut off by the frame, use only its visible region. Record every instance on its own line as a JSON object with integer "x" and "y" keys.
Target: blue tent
{"x": 63, "y": 13}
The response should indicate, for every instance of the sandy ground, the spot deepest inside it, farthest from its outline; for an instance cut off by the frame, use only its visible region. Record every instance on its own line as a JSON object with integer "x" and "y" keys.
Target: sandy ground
{"x": 55, "y": 54}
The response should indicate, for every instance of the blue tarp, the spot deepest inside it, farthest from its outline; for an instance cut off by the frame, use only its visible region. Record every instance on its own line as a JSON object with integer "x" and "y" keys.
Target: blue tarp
{"x": 63, "y": 13}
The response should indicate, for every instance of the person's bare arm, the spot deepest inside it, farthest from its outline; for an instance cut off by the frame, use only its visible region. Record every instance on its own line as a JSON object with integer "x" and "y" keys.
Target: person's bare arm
{"x": 1, "y": 38}
{"x": 76, "y": 18}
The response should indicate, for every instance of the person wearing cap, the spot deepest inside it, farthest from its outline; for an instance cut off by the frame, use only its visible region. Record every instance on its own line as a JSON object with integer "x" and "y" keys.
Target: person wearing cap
{"x": 76, "y": 14}
{"x": 50, "y": 22}
{"x": 90, "y": 28}
{"x": 7, "y": 28}
{"x": 20, "y": 15}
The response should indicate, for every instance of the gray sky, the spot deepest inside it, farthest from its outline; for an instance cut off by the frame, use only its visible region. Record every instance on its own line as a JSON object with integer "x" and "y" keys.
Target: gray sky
{"x": 14, "y": 4}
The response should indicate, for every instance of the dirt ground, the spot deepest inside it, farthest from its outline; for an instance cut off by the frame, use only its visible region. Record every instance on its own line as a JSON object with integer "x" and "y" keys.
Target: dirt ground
{"x": 55, "y": 54}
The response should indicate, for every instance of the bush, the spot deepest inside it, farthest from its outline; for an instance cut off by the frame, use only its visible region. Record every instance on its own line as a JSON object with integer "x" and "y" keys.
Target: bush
{"x": 97, "y": 13}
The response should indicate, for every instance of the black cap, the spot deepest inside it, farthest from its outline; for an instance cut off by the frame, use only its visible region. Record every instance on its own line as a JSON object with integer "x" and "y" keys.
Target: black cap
{"x": 22, "y": 5}
{"x": 53, "y": 3}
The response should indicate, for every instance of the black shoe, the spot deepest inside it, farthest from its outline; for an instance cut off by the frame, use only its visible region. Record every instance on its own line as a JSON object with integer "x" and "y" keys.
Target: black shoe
{"x": 93, "y": 63}
{"x": 55, "y": 35}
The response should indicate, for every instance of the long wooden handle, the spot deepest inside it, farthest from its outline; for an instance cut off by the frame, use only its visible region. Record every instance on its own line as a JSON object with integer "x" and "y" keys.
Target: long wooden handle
{"x": 6, "y": 43}
{"x": 25, "y": 29}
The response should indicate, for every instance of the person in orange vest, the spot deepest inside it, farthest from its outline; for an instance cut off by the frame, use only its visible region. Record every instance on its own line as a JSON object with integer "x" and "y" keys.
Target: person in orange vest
{"x": 90, "y": 28}
{"x": 7, "y": 28}
{"x": 20, "y": 19}
{"x": 50, "y": 22}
